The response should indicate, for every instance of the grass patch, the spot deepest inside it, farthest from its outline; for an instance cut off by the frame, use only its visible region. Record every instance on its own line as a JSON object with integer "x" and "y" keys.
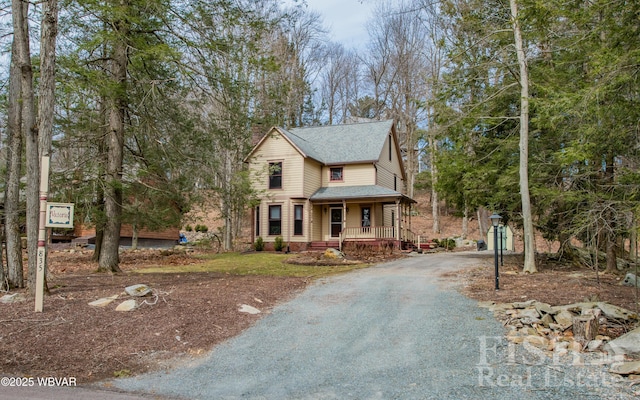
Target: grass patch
{"x": 259, "y": 263}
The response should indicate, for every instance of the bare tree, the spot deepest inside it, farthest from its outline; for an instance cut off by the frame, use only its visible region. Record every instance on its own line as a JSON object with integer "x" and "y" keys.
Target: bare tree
{"x": 14, "y": 166}
{"x": 527, "y": 220}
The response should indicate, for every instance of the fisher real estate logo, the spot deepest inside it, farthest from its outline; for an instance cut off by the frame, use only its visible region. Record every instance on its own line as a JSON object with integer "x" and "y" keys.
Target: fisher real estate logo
{"x": 504, "y": 364}
{"x": 59, "y": 215}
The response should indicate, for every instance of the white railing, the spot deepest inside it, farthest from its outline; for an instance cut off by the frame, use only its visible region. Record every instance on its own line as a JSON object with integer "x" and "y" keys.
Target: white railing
{"x": 369, "y": 232}
{"x": 377, "y": 232}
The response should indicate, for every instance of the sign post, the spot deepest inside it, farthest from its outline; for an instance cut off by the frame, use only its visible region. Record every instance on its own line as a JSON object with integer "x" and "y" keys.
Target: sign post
{"x": 42, "y": 237}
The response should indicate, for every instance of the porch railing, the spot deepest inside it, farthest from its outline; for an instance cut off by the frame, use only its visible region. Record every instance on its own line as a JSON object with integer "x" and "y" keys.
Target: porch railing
{"x": 375, "y": 233}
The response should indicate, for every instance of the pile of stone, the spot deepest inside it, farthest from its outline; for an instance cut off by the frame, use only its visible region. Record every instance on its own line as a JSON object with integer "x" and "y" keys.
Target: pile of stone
{"x": 134, "y": 291}
{"x": 572, "y": 328}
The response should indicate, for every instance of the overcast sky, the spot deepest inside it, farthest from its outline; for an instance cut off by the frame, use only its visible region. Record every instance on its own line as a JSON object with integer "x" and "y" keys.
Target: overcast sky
{"x": 346, "y": 19}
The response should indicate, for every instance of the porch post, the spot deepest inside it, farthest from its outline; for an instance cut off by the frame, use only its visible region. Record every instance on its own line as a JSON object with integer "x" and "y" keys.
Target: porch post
{"x": 398, "y": 220}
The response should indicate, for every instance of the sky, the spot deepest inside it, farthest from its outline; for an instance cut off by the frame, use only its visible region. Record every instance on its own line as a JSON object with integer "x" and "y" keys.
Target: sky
{"x": 345, "y": 19}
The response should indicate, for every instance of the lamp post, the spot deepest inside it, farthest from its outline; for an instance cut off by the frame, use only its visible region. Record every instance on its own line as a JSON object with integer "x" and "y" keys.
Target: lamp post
{"x": 495, "y": 221}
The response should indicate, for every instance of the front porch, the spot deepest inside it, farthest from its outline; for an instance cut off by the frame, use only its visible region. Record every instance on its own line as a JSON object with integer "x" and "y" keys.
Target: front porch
{"x": 380, "y": 219}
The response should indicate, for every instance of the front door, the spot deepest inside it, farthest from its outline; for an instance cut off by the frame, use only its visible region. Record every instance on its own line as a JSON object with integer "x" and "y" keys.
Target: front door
{"x": 336, "y": 222}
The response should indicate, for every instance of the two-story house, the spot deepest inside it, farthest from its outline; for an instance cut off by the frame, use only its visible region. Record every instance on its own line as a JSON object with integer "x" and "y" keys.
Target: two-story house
{"x": 323, "y": 186}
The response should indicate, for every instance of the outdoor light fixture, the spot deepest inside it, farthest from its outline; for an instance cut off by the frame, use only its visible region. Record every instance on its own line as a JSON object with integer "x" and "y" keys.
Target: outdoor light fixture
{"x": 495, "y": 221}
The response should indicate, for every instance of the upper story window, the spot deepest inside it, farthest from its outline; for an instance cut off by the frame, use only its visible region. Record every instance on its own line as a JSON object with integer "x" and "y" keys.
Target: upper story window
{"x": 275, "y": 175}
{"x": 335, "y": 174}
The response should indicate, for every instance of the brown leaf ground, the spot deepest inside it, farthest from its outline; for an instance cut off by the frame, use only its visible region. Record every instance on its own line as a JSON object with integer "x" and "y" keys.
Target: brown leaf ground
{"x": 191, "y": 314}
{"x": 555, "y": 283}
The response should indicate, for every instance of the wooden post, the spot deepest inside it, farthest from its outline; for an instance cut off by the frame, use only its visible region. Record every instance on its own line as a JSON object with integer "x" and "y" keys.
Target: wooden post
{"x": 42, "y": 234}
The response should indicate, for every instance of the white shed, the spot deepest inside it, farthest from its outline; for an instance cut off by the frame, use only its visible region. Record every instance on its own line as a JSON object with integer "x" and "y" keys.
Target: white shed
{"x": 507, "y": 243}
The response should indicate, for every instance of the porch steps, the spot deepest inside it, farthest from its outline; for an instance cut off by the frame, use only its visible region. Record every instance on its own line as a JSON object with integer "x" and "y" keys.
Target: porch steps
{"x": 321, "y": 246}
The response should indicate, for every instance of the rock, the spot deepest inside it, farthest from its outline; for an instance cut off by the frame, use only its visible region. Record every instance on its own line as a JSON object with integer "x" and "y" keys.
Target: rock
{"x": 537, "y": 341}
{"x": 523, "y": 304}
{"x": 564, "y": 318}
{"x": 103, "y": 301}
{"x": 544, "y": 308}
{"x": 530, "y": 313}
{"x": 333, "y": 253}
{"x": 626, "y": 368}
{"x": 137, "y": 290}
{"x": 594, "y": 345}
{"x": 611, "y": 311}
{"x": 127, "y": 305}
{"x": 12, "y": 298}
{"x": 627, "y": 344}
{"x": 630, "y": 280}
{"x": 248, "y": 309}
{"x": 547, "y": 320}
{"x": 575, "y": 346}
{"x": 557, "y": 327}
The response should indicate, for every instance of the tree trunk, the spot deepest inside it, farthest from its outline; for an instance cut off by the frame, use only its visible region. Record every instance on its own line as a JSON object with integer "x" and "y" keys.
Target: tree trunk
{"x": 435, "y": 206}
{"x": 2, "y": 273}
{"x": 465, "y": 222}
{"x": 14, "y": 166}
{"x": 612, "y": 264}
{"x": 29, "y": 131}
{"x": 109, "y": 258}
{"x": 46, "y": 100}
{"x": 134, "y": 237}
{"x": 529, "y": 235}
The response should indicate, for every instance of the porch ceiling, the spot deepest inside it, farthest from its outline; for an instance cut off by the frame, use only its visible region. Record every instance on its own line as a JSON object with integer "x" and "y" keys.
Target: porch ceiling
{"x": 368, "y": 192}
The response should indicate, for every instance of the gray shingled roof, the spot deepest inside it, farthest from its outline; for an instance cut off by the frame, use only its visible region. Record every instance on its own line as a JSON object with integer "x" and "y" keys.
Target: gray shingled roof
{"x": 354, "y": 192}
{"x": 338, "y": 144}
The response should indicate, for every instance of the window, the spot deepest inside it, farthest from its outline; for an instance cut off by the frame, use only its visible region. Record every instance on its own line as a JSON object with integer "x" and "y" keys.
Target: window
{"x": 297, "y": 219}
{"x": 275, "y": 175}
{"x": 395, "y": 182}
{"x": 335, "y": 173}
{"x": 275, "y": 220}
{"x": 257, "y": 221}
{"x": 390, "y": 140}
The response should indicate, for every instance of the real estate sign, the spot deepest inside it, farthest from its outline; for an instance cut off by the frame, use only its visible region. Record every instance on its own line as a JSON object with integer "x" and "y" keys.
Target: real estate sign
{"x": 59, "y": 215}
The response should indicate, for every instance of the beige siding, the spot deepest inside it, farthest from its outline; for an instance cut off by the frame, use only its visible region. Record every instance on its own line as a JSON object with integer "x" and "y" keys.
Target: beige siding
{"x": 388, "y": 169}
{"x": 275, "y": 148}
{"x": 353, "y": 175}
{"x": 312, "y": 177}
{"x": 317, "y": 226}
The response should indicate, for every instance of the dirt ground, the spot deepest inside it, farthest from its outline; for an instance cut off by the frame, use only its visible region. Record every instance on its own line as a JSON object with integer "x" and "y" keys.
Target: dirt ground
{"x": 191, "y": 313}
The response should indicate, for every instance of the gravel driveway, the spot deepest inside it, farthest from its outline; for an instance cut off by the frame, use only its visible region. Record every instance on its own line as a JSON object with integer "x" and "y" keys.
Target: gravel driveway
{"x": 393, "y": 331}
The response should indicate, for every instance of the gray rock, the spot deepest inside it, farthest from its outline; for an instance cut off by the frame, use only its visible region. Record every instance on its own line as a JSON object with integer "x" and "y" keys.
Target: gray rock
{"x": 615, "y": 312}
{"x": 333, "y": 253}
{"x": 594, "y": 345}
{"x": 249, "y": 309}
{"x": 127, "y": 305}
{"x": 137, "y": 290}
{"x": 103, "y": 301}
{"x": 547, "y": 320}
{"x": 627, "y": 344}
{"x": 12, "y": 298}
{"x": 630, "y": 280}
{"x": 564, "y": 318}
{"x": 626, "y": 368}
{"x": 530, "y": 313}
{"x": 523, "y": 304}
{"x": 544, "y": 308}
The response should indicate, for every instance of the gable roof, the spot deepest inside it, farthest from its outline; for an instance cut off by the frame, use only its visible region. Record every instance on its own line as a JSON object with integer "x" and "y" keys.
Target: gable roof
{"x": 339, "y": 144}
